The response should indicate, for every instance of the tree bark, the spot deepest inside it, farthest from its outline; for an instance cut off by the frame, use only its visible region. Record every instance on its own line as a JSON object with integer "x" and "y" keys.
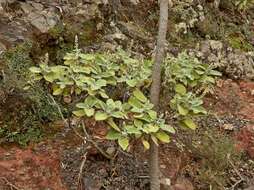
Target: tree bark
{"x": 155, "y": 90}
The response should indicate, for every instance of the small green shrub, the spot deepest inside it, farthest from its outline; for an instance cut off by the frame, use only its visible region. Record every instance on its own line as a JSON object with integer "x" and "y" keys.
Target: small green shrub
{"x": 130, "y": 116}
{"x": 95, "y": 75}
{"x": 24, "y": 124}
{"x": 243, "y": 5}
{"x": 215, "y": 153}
{"x": 190, "y": 80}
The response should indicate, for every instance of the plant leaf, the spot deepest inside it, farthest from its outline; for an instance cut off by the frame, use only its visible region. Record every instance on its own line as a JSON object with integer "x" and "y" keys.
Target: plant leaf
{"x": 132, "y": 129}
{"x": 123, "y": 142}
{"x": 146, "y": 144}
{"x": 162, "y": 136}
{"x": 182, "y": 110}
{"x": 152, "y": 128}
{"x": 152, "y": 114}
{"x": 113, "y": 135}
{"x": 100, "y": 116}
{"x": 79, "y": 113}
{"x": 168, "y": 128}
{"x": 35, "y": 69}
{"x": 112, "y": 124}
{"x": 57, "y": 91}
{"x": 190, "y": 123}
{"x": 180, "y": 89}
{"x": 139, "y": 95}
{"x": 154, "y": 139}
{"x": 89, "y": 111}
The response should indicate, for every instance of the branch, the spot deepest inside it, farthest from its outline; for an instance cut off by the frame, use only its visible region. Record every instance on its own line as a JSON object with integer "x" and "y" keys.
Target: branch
{"x": 236, "y": 171}
{"x": 88, "y": 138}
{"x": 9, "y": 183}
{"x": 84, "y": 138}
{"x": 80, "y": 175}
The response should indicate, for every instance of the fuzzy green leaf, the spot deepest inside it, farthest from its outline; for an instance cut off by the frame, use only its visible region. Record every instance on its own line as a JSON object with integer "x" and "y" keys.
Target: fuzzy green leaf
{"x": 190, "y": 123}
{"x": 100, "y": 116}
{"x": 89, "y": 111}
{"x": 180, "y": 89}
{"x": 168, "y": 128}
{"x": 113, "y": 135}
{"x": 182, "y": 110}
{"x": 163, "y": 137}
{"x": 139, "y": 95}
{"x": 79, "y": 113}
{"x": 35, "y": 69}
{"x": 152, "y": 114}
{"x": 123, "y": 142}
{"x": 113, "y": 124}
{"x": 132, "y": 129}
{"x": 57, "y": 91}
{"x": 146, "y": 144}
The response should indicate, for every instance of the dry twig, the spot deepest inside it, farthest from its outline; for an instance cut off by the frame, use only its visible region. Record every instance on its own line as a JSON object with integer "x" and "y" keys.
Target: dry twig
{"x": 84, "y": 138}
{"x": 12, "y": 186}
{"x": 80, "y": 175}
{"x": 237, "y": 172}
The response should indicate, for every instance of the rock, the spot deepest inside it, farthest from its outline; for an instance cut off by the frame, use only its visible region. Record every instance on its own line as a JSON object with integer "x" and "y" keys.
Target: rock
{"x": 165, "y": 183}
{"x": 26, "y": 7}
{"x": 183, "y": 184}
{"x": 250, "y": 188}
{"x": 135, "y": 2}
{"x": 2, "y": 48}
{"x": 111, "y": 150}
{"x": 92, "y": 184}
{"x": 134, "y": 31}
{"x": 234, "y": 63}
{"x": 43, "y": 22}
{"x": 37, "y": 6}
{"x": 216, "y": 45}
{"x": 228, "y": 127}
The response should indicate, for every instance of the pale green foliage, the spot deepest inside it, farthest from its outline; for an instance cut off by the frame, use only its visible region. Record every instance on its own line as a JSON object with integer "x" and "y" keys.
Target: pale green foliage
{"x": 95, "y": 75}
{"x": 191, "y": 80}
{"x": 244, "y": 4}
{"x": 91, "y": 73}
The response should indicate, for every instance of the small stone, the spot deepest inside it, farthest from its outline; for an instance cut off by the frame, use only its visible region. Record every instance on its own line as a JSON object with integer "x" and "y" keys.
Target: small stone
{"x": 228, "y": 126}
{"x": 37, "y": 6}
{"x": 183, "y": 184}
{"x": 165, "y": 181}
{"x": 110, "y": 150}
{"x": 26, "y": 8}
{"x": 99, "y": 26}
{"x": 2, "y": 48}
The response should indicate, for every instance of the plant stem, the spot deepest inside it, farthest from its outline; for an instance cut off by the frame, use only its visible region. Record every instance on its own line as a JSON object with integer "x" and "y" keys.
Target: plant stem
{"x": 155, "y": 91}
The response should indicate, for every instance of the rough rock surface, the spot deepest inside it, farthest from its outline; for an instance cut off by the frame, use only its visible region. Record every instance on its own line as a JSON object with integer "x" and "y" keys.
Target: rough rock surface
{"x": 235, "y": 64}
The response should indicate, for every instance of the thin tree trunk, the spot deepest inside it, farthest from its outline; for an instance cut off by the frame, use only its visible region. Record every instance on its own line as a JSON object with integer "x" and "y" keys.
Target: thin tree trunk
{"x": 155, "y": 90}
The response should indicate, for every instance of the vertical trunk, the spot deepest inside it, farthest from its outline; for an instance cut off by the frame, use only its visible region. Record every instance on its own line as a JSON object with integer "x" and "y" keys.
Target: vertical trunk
{"x": 155, "y": 90}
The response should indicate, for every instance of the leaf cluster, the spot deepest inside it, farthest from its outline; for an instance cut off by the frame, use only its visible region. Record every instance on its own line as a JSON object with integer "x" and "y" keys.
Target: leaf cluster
{"x": 93, "y": 75}
{"x": 190, "y": 80}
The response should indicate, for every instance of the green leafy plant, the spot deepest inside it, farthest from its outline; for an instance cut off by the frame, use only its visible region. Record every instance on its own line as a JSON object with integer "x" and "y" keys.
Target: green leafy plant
{"x": 94, "y": 76}
{"x": 216, "y": 153}
{"x": 22, "y": 112}
{"x": 244, "y": 4}
{"x": 190, "y": 80}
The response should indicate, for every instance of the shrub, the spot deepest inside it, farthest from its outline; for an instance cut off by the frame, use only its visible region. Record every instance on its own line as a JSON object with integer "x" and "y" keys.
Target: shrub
{"x": 95, "y": 76}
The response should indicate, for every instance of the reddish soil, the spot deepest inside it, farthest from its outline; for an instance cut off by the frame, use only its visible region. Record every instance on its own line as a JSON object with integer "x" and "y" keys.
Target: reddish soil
{"x": 33, "y": 168}
{"x": 233, "y": 98}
